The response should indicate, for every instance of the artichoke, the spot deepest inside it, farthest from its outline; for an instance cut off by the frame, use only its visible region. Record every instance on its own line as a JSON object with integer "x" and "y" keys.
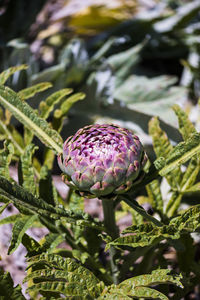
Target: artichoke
{"x": 102, "y": 159}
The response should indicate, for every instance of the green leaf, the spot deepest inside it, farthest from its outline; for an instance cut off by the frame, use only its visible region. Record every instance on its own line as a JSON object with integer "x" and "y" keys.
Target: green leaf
{"x": 160, "y": 276}
{"x": 25, "y": 114}
{"x": 193, "y": 189}
{"x": 103, "y": 49}
{"x": 122, "y": 63}
{"x": 12, "y": 135}
{"x": 150, "y": 97}
{"x": 163, "y": 148}
{"x": 117, "y": 294}
{"x": 28, "y": 136}
{"x": 26, "y": 170}
{"x": 49, "y": 156}
{"x": 9, "y": 72}
{"x": 191, "y": 173}
{"x": 5, "y": 159}
{"x": 173, "y": 203}
{"x": 145, "y": 292}
{"x": 155, "y": 196}
{"x": 161, "y": 143}
{"x": 189, "y": 220}
{"x": 187, "y": 130}
{"x": 146, "y": 235}
{"x": 27, "y": 203}
{"x": 60, "y": 113}
{"x": 8, "y": 291}
{"x": 185, "y": 125}
{"x": 137, "y": 287}
{"x": 182, "y": 153}
{"x": 47, "y": 106}
{"x": 19, "y": 230}
{"x": 64, "y": 276}
{"x": 31, "y": 91}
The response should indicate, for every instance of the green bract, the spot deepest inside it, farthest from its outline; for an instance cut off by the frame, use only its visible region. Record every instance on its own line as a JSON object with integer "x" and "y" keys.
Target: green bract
{"x": 102, "y": 159}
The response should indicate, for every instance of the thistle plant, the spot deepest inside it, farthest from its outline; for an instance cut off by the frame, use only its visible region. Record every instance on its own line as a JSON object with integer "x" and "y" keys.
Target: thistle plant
{"x": 107, "y": 162}
{"x": 102, "y": 161}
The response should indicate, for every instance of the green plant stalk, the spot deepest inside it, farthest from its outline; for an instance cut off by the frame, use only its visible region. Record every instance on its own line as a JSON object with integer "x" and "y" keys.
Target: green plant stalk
{"x": 174, "y": 207}
{"x": 112, "y": 230}
{"x": 142, "y": 212}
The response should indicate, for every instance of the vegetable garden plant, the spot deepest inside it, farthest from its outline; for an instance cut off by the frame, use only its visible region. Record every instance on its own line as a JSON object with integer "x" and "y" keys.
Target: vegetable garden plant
{"x": 107, "y": 162}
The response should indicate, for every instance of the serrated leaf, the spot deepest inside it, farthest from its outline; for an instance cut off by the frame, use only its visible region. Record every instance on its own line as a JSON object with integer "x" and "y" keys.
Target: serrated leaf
{"x": 9, "y": 72}
{"x": 161, "y": 143}
{"x": 13, "y": 136}
{"x": 138, "y": 292}
{"x": 47, "y": 106}
{"x": 60, "y": 113}
{"x": 145, "y": 292}
{"x": 19, "y": 230}
{"x": 137, "y": 287}
{"x": 163, "y": 148}
{"x": 5, "y": 159}
{"x": 27, "y": 203}
{"x": 69, "y": 290}
{"x": 26, "y": 170}
{"x": 31, "y": 91}
{"x": 25, "y": 114}
{"x": 189, "y": 220}
{"x": 160, "y": 276}
{"x": 191, "y": 173}
{"x": 146, "y": 235}
{"x": 182, "y": 153}
{"x": 64, "y": 276}
{"x": 185, "y": 125}
{"x": 67, "y": 104}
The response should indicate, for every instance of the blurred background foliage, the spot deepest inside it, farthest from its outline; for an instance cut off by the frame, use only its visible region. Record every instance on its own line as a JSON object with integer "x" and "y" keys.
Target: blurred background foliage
{"x": 132, "y": 58}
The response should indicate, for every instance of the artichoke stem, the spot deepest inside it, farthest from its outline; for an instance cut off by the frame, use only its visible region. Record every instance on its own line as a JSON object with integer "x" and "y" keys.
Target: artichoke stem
{"x": 112, "y": 230}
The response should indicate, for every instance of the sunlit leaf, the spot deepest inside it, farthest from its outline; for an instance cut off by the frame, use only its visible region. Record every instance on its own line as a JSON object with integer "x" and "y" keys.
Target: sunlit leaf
{"x": 19, "y": 229}
{"x": 25, "y": 169}
{"x": 31, "y": 91}
{"x": 25, "y": 114}
{"x": 9, "y": 72}
{"x": 5, "y": 159}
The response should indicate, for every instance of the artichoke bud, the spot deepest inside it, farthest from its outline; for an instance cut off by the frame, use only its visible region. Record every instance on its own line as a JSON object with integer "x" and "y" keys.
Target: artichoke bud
{"x": 100, "y": 160}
